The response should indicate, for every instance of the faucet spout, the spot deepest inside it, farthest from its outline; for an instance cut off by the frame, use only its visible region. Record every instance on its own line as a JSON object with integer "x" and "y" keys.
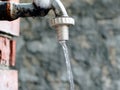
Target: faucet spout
{"x": 62, "y": 21}
{"x": 59, "y": 8}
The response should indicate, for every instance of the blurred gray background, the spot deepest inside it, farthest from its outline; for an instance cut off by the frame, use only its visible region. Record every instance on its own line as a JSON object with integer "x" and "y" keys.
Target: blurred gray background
{"x": 94, "y": 48}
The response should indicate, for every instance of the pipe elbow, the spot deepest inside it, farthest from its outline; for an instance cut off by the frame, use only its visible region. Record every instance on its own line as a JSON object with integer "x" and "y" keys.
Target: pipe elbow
{"x": 55, "y": 5}
{"x": 59, "y": 8}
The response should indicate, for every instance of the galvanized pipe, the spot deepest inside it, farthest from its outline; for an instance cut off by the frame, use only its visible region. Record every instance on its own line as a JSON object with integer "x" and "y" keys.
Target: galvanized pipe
{"x": 11, "y": 11}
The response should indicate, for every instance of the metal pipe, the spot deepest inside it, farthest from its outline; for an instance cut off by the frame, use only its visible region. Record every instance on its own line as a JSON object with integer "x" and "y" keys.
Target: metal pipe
{"x": 59, "y": 8}
{"x": 11, "y": 11}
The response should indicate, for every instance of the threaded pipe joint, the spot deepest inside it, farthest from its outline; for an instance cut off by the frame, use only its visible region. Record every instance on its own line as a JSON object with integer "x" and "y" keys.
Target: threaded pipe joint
{"x": 61, "y": 24}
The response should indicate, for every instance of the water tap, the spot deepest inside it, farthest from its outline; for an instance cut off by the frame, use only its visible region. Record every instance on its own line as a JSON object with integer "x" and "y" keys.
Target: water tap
{"x": 11, "y": 11}
{"x": 62, "y": 21}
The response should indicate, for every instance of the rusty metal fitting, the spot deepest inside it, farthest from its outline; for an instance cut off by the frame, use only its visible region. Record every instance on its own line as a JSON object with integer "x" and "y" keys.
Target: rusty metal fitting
{"x": 11, "y": 11}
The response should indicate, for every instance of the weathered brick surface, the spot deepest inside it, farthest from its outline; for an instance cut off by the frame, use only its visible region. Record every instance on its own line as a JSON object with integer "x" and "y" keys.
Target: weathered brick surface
{"x": 7, "y": 51}
{"x": 4, "y": 51}
{"x": 8, "y": 80}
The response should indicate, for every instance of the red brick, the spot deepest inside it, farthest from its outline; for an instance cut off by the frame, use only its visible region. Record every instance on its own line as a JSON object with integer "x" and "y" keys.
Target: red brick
{"x": 4, "y": 51}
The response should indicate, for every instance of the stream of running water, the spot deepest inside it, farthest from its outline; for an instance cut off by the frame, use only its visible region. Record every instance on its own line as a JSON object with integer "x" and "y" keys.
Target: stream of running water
{"x": 68, "y": 64}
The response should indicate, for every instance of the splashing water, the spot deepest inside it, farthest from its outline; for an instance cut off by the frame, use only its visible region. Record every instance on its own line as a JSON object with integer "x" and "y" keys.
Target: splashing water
{"x": 69, "y": 70}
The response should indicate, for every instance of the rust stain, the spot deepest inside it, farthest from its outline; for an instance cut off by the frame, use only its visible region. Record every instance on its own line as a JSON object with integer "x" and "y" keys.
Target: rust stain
{"x": 10, "y": 27}
{"x": 12, "y": 52}
{"x": 8, "y": 11}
